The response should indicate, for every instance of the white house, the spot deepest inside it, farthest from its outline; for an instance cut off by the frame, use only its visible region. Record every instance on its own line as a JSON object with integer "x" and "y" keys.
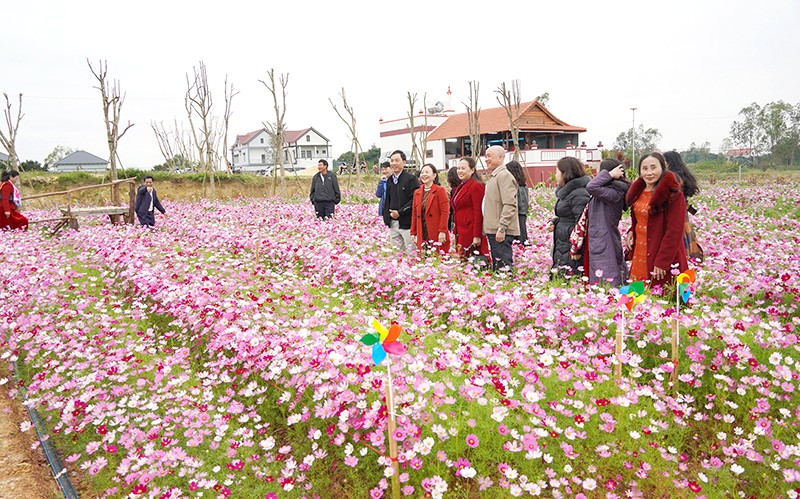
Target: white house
{"x": 302, "y": 149}
{"x": 81, "y": 161}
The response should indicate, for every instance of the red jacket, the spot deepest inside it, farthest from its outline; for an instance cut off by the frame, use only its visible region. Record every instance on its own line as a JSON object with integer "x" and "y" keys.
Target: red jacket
{"x": 15, "y": 220}
{"x": 467, "y": 206}
{"x": 437, "y": 213}
{"x": 664, "y": 225}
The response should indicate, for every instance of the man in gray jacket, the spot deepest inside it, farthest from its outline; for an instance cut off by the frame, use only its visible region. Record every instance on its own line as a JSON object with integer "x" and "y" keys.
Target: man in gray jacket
{"x": 325, "y": 193}
{"x": 500, "y": 220}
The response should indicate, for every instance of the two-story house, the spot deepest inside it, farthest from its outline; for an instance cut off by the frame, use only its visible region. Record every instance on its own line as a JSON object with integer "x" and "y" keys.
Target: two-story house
{"x": 301, "y": 149}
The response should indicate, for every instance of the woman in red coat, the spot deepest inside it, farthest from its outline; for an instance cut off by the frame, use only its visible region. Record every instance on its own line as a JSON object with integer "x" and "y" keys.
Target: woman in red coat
{"x": 10, "y": 217}
{"x": 658, "y": 211}
{"x": 430, "y": 211}
{"x": 466, "y": 201}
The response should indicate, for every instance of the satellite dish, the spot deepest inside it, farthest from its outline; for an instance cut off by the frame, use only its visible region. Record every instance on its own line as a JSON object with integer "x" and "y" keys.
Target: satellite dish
{"x": 437, "y": 108}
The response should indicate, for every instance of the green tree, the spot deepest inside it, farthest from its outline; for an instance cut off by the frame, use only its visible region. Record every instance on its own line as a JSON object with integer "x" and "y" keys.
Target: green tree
{"x": 176, "y": 163}
{"x": 544, "y": 98}
{"x": 696, "y": 153}
{"x": 32, "y": 166}
{"x": 371, "y": 156}
{"x": 645, "y": 141}
{"x": 771, "y": 132}
{"x": 59, "y": 153}
{"x": 781, "y": 122}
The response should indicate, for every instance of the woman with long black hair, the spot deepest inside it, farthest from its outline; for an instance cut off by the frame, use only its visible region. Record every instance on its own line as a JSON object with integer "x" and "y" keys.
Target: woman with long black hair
{"x": 676, "y": 165}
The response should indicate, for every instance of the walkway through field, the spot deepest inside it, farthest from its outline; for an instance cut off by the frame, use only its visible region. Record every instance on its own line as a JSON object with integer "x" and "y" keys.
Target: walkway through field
{"x": 23, "y": 471}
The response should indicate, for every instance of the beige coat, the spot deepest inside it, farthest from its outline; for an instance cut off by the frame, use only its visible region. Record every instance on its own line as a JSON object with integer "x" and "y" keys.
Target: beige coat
{"x": 500, "y": 203}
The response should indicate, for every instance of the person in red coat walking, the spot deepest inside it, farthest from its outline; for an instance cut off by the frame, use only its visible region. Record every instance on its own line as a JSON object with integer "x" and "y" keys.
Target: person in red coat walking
{"x": 655, "y": 241}
{"x": 10, "y": 217}
{"x": 430, "y": 212}
{"x": 466, "y": 201}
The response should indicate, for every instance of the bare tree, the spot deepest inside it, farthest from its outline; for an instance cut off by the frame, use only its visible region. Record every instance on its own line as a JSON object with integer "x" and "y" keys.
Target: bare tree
{"x": 417, "y": 156}
{"x": 230, "y": 93}
{"x": 112, "y": 109}
{"x": 473, "y": 119}
{"x": 355, "y": 144}
{"x": 419, "y": 139}
{"x": 199, "y": 105}
{"x": 510, "y": 100}
{"x": 277, "y": 131}
{"x": 175, "y": 145}
{"x": 8, "y": 140}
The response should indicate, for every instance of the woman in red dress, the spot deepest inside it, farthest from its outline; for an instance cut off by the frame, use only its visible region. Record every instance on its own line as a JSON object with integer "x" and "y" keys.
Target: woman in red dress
{"x": 466, "y": 201}
{"x": 10, "y": 217}
{"x": 430, "y": 212}
{"x": 655, "y": 241}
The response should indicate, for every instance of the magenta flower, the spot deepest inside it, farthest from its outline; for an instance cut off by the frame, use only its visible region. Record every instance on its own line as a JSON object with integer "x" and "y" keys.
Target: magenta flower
{"x": 472, "y": 440}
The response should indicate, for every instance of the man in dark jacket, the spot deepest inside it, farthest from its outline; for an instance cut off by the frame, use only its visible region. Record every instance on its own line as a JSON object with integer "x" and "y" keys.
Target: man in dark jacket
{"x": 400, "y": 187}
{"x": 325, "y": 193}
{"x": 147, "y": 202}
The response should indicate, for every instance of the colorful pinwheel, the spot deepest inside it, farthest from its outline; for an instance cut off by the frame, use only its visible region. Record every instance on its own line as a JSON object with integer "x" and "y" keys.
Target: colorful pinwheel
{"x": 632, "y": 295}
{"x": 686, "y": 284}
{"x": 384, "y": 341}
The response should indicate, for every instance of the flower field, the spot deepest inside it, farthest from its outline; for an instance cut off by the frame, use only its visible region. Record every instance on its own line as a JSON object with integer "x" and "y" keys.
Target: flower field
{"x": 219, "y": 356}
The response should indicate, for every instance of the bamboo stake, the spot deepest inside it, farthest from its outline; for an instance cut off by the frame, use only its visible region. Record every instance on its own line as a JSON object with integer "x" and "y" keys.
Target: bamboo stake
{"x": 619, "y": 348}
{"x": 673, "y": 377}
{"x": 392, "y": 441}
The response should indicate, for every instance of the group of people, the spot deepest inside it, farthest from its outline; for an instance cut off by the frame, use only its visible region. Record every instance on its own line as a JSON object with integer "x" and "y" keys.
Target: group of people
{"x": 588, "y": 211}
{"x": 11, "y": 200}
{"x": 486, "y": 219}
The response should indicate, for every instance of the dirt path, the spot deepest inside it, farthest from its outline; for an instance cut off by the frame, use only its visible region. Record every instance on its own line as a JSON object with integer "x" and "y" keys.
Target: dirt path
{"x": 24, "y": 472}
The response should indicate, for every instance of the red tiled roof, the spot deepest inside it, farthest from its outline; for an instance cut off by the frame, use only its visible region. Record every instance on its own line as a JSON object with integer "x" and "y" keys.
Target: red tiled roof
{"x": 246, "y": 138}
{"x": 533, "y": 117}
{"x": 294, "y": 135}
{"x": 744, "y": 151}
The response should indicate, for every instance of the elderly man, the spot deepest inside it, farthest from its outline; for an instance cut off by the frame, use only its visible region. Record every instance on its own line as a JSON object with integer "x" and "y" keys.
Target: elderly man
{"x": 400, "y": 187}
{"x": 500, "y": 221}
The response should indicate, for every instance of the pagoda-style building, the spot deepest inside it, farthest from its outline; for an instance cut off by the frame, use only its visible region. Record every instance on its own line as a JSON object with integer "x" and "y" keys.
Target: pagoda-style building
{"x": 543, "y": 138}
{"x": 538, "y": 129}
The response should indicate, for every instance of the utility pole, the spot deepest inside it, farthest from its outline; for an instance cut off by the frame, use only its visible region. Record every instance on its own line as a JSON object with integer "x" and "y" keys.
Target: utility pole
{"x": 633, "y": 136}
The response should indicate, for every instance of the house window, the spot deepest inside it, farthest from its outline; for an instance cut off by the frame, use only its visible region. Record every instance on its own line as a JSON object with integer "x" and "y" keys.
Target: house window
{"x": 323, "y": 152}
{"x": 263, "y": 159}
{"x": 262, "y": 140}
{"x": 429, "y": 153}
{"x": 308, "y": 138}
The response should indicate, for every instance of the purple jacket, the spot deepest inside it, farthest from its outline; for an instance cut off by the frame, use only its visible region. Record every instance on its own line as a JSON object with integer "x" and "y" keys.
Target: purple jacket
{"x": 605, "y": 243}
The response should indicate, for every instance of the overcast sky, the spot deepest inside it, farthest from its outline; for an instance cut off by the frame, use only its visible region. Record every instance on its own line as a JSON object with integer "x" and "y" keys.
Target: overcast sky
{"x": 688, "y": 66}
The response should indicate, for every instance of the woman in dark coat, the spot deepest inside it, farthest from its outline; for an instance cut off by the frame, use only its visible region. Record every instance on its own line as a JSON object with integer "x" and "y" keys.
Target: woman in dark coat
{"x": 571, "y": 197}
{"x": 606, "y": 260}
{"x": 466, "y": 202}
{"x": 658, "y": 211}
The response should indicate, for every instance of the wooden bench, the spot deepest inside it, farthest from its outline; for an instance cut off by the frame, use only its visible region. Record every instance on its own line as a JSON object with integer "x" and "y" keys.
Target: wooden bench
{"x": 115, "y": 214}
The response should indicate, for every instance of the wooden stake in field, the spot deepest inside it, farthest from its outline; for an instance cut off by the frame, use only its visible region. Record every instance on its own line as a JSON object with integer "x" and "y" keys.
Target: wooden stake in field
{"x": 392, "y": 441}
{"x": 683, "y": 290}
{"x": 630, "y": 296}
{"x": 384, "y": 341}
